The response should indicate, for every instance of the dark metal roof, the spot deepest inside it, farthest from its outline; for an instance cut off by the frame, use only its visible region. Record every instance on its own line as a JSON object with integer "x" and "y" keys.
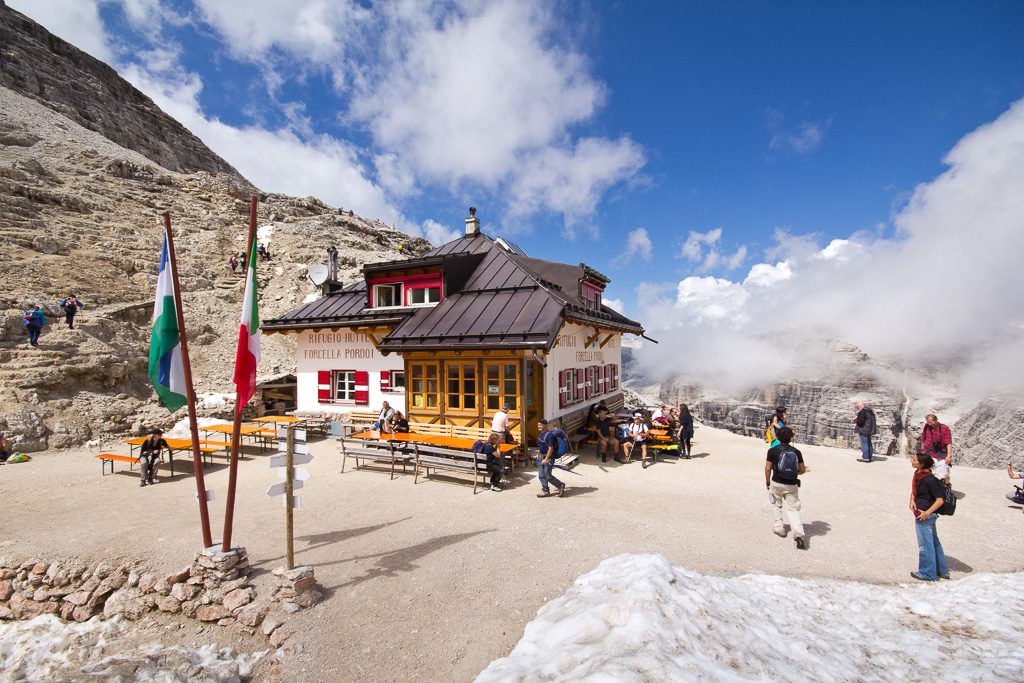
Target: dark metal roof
{"x": 341, "y": 309}
{"x": 493, "y": 299}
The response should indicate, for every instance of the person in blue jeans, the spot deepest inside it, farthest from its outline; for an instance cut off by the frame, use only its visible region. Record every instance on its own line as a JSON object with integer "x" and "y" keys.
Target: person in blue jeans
{"x": 866, "y": 427}
{"x": 926, "y": 497}
{"x": 547, "y": 454}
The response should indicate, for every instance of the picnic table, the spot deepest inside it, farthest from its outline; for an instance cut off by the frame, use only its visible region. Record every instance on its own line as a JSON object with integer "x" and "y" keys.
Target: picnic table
{"x": 280, "y": 419}
{"x": 173, "y": 445}
{"x": 255, "y": 433}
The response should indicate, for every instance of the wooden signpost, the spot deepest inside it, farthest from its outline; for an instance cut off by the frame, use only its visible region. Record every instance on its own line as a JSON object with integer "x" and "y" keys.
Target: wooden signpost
{"x": 291, "y": 442}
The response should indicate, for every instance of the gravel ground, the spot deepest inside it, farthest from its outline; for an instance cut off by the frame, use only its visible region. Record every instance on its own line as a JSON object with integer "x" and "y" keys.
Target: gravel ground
{"x": 429, "y": 582}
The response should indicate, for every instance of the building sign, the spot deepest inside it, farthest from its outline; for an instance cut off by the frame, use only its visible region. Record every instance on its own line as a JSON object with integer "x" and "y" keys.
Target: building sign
{"x": 569, "y": 340}
{"x": 336, "y": 346}
{"x": 596, "y": 356}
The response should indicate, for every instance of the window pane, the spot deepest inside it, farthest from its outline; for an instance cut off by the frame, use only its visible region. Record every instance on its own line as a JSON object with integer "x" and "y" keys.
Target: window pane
{"x": 453, "y": 386}
{"x": 492, "y": 403}
{"x": 433, "y": 294}
{"x": 431, "y": 370}
{"x": 492, "y": 372}
{"x": 510, "y": 387}
{"x": 416, "y": 296}
{"x": 469, "y": 387}
{"x": 453, "y": 400}
{"x": 398, "y": 379}
{"x": 510, "y": 371}
{"x": 431, "y": 400}
{"x": 417, "y": 400}
{"x": 431, "y": 386}
{"x": 511, "y": 402}
{"x": 469, "y": 401}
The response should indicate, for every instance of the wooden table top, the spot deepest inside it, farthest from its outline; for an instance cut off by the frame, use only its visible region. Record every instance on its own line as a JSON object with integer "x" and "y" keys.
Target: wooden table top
{"x": 226, "y": 429}
{"x": 279, "y": 419}
{"x": 175, "y": 444}
{"x": 458, "y": 442}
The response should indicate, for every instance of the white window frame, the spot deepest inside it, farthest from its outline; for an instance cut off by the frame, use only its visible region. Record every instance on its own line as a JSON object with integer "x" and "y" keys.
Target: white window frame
{"x": 412, "y": 290}
{"x": 395, "y": 287}
{"x": 338, "y": 393}
{"x": 394, "y": 385}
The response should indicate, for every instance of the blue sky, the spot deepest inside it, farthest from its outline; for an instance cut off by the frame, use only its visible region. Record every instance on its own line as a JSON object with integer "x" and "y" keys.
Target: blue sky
{"x": 691, "y": 151}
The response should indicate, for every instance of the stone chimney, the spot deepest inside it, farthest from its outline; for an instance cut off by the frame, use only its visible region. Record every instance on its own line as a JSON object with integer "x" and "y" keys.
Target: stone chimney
{"x": 472, "y": 223}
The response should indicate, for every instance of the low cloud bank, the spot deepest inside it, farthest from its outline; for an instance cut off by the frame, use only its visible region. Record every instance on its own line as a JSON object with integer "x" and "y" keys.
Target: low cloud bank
{"x": 942, "y": 291}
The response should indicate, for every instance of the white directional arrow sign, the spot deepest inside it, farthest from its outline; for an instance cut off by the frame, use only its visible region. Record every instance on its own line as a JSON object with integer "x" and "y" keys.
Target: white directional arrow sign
{"x": 279, "y": 489}
{"x": 282, "y": 433}
{"x": 278, "y": 460}
{"x": 300, "y": 473}
{"x": 298, "y": 448}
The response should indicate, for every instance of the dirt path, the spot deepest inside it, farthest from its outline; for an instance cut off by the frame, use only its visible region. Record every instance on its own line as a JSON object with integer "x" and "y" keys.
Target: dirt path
{"x": 429, "y": 581}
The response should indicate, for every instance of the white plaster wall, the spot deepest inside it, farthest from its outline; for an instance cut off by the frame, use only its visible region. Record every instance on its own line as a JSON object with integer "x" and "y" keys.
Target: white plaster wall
{"x": 571, "y": 353}
{"x": 343, "y": 350}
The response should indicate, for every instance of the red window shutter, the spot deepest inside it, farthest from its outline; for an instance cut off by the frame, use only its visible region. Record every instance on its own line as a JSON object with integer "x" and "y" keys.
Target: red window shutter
{"x": 561, "y": 389}
{"x": 600, "y": 378}
{"x": 323, "y": 386}
{"x": 615, "y": 376}
{"x": 580, "y": 385}
{"x": 362, "y": 388}
{"x": 385, "y": 380}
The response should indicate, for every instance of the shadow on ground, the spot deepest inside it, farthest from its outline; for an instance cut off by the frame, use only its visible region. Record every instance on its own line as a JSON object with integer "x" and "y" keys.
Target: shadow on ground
{"x": 403, "y": 560}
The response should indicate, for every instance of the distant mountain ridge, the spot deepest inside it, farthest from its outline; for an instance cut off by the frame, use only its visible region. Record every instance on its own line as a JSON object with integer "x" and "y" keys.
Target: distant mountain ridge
{"x": 37, "y": 64}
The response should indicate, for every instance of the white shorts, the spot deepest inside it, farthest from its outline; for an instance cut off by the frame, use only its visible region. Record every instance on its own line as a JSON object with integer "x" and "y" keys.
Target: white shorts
{"x": 940, "y": 469}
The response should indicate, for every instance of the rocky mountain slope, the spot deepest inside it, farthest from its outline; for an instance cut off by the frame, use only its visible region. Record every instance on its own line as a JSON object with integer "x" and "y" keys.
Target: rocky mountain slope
{"x": 821, "y": 400}
{"x": 80, "y": 211}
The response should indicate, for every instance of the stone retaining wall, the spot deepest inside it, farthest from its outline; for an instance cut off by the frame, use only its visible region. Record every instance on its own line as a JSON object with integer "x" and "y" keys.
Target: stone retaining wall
{"x": 215, "y": 588}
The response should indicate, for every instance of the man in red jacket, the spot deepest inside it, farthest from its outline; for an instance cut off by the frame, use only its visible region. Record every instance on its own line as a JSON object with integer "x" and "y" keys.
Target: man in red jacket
{"x": 937, "y": 441}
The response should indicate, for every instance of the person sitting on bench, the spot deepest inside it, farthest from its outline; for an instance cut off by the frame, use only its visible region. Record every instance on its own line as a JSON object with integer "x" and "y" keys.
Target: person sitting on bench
{"x": 149, "y": 456}
{"x": 398, "y": 424}
{"x": 636, "y": 435}
{"x": 386, "y": 412}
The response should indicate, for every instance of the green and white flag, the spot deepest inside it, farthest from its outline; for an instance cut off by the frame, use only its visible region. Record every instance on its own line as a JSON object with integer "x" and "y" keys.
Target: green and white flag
{"x": 165, "y": 366}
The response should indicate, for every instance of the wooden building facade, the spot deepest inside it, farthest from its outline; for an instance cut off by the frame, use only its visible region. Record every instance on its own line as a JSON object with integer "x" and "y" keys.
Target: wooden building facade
{"x": 452, "y": 335}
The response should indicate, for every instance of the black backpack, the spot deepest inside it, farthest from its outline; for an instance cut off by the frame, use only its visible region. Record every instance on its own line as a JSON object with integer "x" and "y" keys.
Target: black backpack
{"x": 948, "y": 506}
{"x": 787, "y": 465}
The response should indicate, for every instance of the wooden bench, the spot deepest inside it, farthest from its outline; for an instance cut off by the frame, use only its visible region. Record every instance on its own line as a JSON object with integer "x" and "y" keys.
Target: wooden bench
{"x": 374, "y": 452}
{"x": 450, "y": 460}
{"x": 112, "y": 458}
{"x": 358, "y": 420}
{"x": 430, "y": 428}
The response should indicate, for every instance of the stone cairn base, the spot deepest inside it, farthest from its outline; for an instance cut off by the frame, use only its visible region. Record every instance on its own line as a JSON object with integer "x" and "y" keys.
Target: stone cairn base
{"x": 215, "y": 588}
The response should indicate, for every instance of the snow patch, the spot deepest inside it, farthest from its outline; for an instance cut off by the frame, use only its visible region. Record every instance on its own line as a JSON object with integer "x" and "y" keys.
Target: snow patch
{"x": 47, "y": 648}
{"x": 638, "y": 618}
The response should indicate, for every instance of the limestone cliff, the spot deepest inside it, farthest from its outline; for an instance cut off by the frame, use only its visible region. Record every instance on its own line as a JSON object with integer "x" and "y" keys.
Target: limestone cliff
{"x": 81, "y": 197}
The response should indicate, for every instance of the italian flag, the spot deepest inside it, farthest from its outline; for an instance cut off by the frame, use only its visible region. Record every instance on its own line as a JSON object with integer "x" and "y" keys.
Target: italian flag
{"x": 247, "y": 357}
{"x": 166, "y": 371}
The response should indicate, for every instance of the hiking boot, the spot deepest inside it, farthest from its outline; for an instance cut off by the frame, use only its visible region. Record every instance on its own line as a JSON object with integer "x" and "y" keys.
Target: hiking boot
{"x": 154, "y": 480}
{"x": 543, "y": 494}
{"x": 142, "y": 483}
{"x": 944, "y": 576}
{"x": 643, "y": 463}
{"x": 495, "y": 488}
{"x": 604, "y": 458}
{"x": 800, "y": 544}
{"x": 561, "y": 491}
{"x": 920, "y": 577}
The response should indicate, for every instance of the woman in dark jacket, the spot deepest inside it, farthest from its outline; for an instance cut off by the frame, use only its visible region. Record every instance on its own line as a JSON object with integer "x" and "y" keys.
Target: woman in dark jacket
{"x": 926, "y": 496}
{"x": 685, "y": 431}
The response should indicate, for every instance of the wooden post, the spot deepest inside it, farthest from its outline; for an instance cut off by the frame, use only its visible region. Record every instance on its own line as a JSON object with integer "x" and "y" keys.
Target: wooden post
{"x": 190, "y": 394}
{"x": 236, "y": 425}
{"x": 289, "y": 491}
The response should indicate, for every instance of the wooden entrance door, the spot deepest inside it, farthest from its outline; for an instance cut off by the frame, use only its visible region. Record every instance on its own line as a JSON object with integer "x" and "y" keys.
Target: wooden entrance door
{"x": 534, "y": 398}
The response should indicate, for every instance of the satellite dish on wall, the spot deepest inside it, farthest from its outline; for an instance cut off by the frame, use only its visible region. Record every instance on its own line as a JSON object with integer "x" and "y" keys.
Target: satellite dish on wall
{"x": 317, "y": 274}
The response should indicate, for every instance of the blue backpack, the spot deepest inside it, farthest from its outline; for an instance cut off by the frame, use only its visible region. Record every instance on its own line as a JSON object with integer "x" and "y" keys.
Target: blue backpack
{"x": 788, "y": 464}
{"x": 561, "y": 442}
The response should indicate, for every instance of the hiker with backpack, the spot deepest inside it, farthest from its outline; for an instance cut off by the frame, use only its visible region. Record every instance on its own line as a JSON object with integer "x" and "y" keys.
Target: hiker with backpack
{"x": 866, "y": 427}
{"x": 70, "y": 304}
{"x": 636, "y": 435}
{"x": 491, "y": 449}
{"x": 34, "y": 319}
{"x": 927, "y": 496}
{"x": 781, "y": 471}
{"x": 552, "y": 443}
{"x": 776, "y": 422}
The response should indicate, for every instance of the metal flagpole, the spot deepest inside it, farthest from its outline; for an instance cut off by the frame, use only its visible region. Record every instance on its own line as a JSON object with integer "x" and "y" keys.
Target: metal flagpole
{"x": 190, "y": 394}
{"x": 236, "y": 428}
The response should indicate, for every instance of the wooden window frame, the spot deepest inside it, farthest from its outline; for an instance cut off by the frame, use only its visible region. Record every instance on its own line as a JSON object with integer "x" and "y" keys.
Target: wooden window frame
{"x": 461, "y": 380}
{"x": 414, "y": 369}
{"x": 502, "y": 395}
